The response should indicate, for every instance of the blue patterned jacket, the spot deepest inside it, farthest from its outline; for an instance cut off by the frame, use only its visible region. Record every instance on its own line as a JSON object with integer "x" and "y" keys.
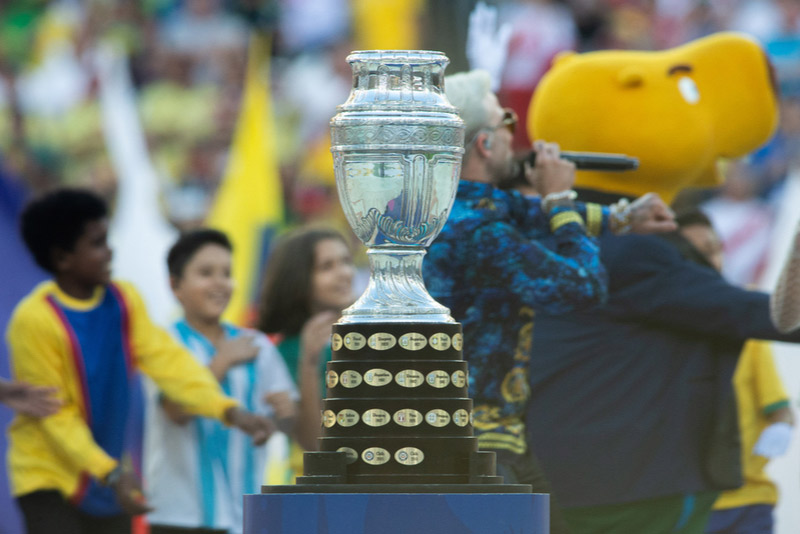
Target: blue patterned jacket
{"x": 499, "y": 259}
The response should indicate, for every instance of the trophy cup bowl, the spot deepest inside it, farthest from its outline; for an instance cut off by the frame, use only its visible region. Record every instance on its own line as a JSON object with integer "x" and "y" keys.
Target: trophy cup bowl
{"x": 397, "y": 145}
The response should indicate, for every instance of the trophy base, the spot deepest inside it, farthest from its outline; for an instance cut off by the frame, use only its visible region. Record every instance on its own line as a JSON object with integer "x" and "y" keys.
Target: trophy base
{"x": 398, "y": 411}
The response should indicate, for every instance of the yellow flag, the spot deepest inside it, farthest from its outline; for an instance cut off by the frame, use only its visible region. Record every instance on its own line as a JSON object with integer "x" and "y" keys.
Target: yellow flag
{"x": 249, "y": 202}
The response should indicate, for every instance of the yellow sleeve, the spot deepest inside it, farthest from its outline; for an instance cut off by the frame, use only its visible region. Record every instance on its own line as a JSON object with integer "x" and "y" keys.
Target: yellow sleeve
{"x": 39, "y": 352}
{"x": 770, "y": 393}
{"x": 170, "y": 365}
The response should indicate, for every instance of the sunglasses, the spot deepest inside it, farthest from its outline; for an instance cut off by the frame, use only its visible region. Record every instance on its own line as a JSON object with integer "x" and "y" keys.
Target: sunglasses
{"x": 509, "y": 120}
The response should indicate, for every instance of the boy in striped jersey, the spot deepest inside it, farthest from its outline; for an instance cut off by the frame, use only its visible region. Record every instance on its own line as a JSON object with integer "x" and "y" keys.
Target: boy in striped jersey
{"x": 197, "y": 470}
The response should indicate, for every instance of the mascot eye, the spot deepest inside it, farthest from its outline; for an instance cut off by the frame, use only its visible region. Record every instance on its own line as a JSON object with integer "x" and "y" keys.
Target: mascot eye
{"x": 689, "y": 90}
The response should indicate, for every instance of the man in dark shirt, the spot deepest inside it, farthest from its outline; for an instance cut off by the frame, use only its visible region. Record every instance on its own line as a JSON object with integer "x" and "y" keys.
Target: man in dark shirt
{"x": 631, "y": 411}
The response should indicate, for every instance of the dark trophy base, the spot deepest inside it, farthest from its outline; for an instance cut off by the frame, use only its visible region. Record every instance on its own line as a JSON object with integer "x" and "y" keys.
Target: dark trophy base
{"x": 397, "y": 452}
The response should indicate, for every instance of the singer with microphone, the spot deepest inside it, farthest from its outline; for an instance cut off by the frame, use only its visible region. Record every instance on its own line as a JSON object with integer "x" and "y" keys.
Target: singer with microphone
{"x": 501, "y": 256}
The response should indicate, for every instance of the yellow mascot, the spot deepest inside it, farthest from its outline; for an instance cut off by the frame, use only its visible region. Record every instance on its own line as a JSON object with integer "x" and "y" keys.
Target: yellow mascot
{"x": 679, "y": 110}
{"x": 632, "y": 412}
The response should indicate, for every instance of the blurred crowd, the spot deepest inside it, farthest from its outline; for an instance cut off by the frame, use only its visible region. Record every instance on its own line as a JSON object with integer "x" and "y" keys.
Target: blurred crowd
{"x": 187, "y": 62}
{"x": 188, "y": 57}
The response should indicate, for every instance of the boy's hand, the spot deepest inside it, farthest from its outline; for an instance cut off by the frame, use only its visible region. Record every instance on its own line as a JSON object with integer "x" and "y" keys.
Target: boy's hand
{"x": 257, "y": 427}
{"x": 128, "y": 489}
{"x": 35, "y": 401}
{"x": 282, "y": 404}
{"x": 237, "y": 350}
{"x": 285, "y": 410}
{"x": 175, "y": 411}
{"x": 129, "y": 495}
{"x": 231, "y": 352}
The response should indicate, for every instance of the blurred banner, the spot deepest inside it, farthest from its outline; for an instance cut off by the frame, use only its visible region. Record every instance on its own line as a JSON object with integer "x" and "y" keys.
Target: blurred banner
{"x": 249, "y": 203}
{"x": 387, "y": 25}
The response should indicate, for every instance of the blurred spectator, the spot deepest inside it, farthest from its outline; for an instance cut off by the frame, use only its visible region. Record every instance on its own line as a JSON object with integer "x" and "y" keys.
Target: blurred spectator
{"x": 300, "y": 29}
{"x": 207, "y": 33}
{"x": 540, "y": 30}
{"x": 307, "y": 284}
{"x": 772, "y": 163}
{"x": 767, "y": 20}
{"x": 744, "y": 223}
{"x": 189, "y": 200}
{"x": 765, "y": 419}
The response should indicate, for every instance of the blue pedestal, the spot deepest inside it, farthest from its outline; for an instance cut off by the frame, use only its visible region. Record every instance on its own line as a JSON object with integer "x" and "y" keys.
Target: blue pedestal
{"x": 396, "y": 513}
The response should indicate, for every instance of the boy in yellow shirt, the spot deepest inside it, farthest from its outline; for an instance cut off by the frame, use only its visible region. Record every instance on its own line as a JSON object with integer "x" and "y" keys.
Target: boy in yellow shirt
{"x": 765, "y": 424}
{"x": 87, "y": 336}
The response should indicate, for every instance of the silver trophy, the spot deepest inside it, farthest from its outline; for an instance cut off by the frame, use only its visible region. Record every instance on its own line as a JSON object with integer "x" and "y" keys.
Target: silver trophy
{"x": 397, "y": 145}
{"x": 397, "y": 414}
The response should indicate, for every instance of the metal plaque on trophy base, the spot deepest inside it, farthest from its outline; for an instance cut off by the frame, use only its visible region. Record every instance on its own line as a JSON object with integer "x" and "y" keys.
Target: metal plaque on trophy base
{"x": 397, "y": 417}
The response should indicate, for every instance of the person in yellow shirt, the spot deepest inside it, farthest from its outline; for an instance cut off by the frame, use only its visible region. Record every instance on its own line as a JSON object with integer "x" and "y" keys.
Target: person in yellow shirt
{"x": 765, "y": 419}
{"x": 765, "y": 423}
{"x": 87, "y": 336}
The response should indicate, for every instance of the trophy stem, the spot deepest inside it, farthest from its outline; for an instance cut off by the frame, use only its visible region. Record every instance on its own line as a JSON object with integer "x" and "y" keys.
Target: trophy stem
{"x": 396, "y": 291}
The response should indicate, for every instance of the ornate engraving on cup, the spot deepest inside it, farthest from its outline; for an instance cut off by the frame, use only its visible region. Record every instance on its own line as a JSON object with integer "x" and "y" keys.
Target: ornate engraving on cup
{"x": 397, "y": 145}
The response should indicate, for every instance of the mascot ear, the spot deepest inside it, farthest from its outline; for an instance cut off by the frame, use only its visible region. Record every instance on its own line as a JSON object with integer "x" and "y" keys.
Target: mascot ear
{"x": 630, "y": 77}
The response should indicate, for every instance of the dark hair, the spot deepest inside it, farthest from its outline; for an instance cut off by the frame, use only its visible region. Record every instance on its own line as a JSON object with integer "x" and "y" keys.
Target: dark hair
{"x": 286, "y": 294}
{"x": 692, "y": 217}
{"x": 189, "y": 243}
{"x": 56, "y": 220}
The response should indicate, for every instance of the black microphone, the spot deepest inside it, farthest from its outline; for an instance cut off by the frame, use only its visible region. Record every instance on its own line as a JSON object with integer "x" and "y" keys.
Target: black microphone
{"x": 595, "y": 161}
